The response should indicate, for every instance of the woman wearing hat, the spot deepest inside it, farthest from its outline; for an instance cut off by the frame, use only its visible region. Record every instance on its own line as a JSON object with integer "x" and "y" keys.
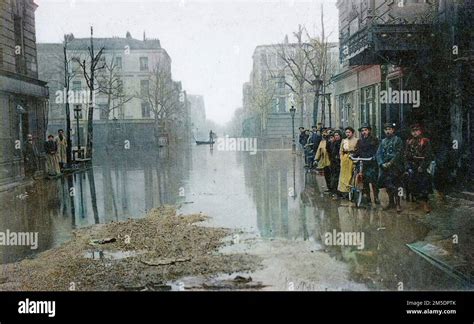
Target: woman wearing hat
{"x": 389, "y": 159}
{"x": 418, "y": 156}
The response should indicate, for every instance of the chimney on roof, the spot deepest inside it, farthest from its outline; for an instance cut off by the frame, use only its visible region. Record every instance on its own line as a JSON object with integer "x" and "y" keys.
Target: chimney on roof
{"x": 129, "y": 36}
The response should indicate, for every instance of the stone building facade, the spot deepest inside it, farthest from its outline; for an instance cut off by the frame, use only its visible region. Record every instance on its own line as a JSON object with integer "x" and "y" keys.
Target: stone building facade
{"x": 273, "y": 89}
{"x": 420, "y": 53}
{"x": 23, "y": 97}
{"x": 134, "y": 63}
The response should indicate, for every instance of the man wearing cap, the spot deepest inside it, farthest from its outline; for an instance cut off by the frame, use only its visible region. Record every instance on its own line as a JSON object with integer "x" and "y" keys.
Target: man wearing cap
{"x": 390, "y": 161}
{"x": 31, "y": 156}
{"x": 418, "y": 156}
{"x": 316, "y": 137}
{"x": 303, "y": 138}
{"x": 366, "y": 147}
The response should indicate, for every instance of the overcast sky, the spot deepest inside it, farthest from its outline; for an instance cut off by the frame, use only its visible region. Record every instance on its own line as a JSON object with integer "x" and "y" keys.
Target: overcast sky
{"x": 210, "y": 41}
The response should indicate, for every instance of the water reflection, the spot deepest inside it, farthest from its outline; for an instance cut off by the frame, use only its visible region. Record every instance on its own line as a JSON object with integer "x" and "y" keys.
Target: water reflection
{"x": 268, "y": 193}
{"x": 119, "y": 186}
{"x": 384, "y": 262}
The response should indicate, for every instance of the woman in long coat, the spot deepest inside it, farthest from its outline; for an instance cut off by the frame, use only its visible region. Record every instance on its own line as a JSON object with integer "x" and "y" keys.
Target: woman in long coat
{"x": 323, "y": 158}
{"x": 348, "y": 146}
{"x": 62, "y": 146}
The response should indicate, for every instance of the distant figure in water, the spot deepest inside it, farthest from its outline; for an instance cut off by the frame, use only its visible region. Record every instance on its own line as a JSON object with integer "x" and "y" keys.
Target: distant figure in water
{"x": 211, "y": 136}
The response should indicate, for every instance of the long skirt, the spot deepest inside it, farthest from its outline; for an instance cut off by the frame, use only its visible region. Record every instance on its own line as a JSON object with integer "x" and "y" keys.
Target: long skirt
{"x": 61, "y": 153}
{"x": 345, "y": 177}
{"x": 52, "y": 164}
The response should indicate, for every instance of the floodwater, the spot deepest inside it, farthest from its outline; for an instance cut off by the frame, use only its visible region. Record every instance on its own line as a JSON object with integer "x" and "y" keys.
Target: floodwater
{"x": 277, "y": 208}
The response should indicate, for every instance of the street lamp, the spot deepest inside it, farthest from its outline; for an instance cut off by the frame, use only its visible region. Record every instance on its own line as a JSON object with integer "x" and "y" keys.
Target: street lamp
{"x": 317, "y": 83}
{"x": 77, "y": 111}
{"x": 292, "y": 113}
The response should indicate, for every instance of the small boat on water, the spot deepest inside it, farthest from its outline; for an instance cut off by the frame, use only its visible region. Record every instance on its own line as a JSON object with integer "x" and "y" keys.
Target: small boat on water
{"x": 204, "y": 142}
{"x": 208, "y": 142}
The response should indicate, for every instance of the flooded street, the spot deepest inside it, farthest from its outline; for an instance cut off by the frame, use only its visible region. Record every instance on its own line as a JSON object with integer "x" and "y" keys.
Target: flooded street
{"x": 276, "y": 210}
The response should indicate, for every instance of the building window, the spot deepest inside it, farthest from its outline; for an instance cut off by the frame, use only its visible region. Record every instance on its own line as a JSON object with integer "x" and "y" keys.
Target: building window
{"x": 354, "y": 26}
{"x": 104, "y": 114}
{"x": 281, "y": 105}
{"x": 281, "y": 83}
{"x": 145, "y": 110}
{"x": 118, "y": 62}
{"x": 20, "y": 62}
{"x": 76, "y": 85}
{"x": 143, "y": 63}
{"x": 144, "y": 88}
{"x": 120, "y": 86}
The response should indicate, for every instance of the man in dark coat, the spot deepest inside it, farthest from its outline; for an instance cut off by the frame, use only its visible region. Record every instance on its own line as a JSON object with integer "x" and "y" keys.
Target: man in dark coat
{"x": 366, "y": 147}
{"x": 303, "y": 138}
{"x": 390, "y": 161}
{"x": 316, "y": 137}
{"x": 418, "y": 156}
{"x": 31, "y": 156}
{"x": 333, "y": 150}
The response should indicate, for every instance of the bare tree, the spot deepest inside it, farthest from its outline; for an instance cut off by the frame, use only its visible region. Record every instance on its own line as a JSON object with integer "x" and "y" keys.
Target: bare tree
{"x": 110, "y": 84}
{"x": 262, "y": 97}
{"x": 162, "y": 96}
{"x": 89, "y": 70}
{"x": 307, "y": 62}
{"x": 295, "y": 62}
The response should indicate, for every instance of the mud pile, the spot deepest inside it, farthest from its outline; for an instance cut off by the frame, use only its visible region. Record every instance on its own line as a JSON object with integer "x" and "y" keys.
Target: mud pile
{"x": 140, "y": 254}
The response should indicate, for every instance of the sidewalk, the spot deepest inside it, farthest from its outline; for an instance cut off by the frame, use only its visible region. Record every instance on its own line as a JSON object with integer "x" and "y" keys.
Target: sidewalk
{"x": 449, "y": 244}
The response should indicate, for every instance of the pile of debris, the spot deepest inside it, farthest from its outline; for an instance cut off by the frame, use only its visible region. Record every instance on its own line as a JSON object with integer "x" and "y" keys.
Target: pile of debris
{"x": 138, "y": 254}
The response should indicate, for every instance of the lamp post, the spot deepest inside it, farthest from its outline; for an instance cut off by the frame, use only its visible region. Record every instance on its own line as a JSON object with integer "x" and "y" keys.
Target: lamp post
{"x": 329, "y": 106}
{"x": 77, "y": 111}
{"x": 292, "y": 113}
{"x": 317, "y": 82}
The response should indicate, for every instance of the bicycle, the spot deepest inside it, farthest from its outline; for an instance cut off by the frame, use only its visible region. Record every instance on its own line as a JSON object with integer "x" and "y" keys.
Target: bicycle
{"x": 357, "y": 182}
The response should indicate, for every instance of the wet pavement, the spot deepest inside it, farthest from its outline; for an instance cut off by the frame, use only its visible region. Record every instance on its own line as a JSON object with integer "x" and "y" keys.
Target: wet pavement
{"x": 277, "y": 210}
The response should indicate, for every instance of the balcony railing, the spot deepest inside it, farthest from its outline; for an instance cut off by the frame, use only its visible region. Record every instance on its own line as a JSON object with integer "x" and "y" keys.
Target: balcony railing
{"x": 378, "y": 43}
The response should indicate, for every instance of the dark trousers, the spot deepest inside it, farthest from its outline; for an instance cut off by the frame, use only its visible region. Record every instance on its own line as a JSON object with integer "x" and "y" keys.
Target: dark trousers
{"x": 327, "y": 177}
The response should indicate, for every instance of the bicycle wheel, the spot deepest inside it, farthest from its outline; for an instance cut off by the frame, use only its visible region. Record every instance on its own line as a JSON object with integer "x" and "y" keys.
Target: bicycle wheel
{"x": 358, "y": 197}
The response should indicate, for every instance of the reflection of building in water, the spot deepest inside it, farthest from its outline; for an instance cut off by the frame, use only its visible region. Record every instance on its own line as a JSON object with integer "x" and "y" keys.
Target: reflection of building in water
{"x": 385, "y": 260}
{"x": 118, "y": 188}
{"x": 275, "y": 189}
{"x": 34, "y": 208}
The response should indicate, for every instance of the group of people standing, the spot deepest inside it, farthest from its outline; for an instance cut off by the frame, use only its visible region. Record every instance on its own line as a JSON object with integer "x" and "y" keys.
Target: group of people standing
{"x": 55, "y": 151}
{"x": 402, "y": 169}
